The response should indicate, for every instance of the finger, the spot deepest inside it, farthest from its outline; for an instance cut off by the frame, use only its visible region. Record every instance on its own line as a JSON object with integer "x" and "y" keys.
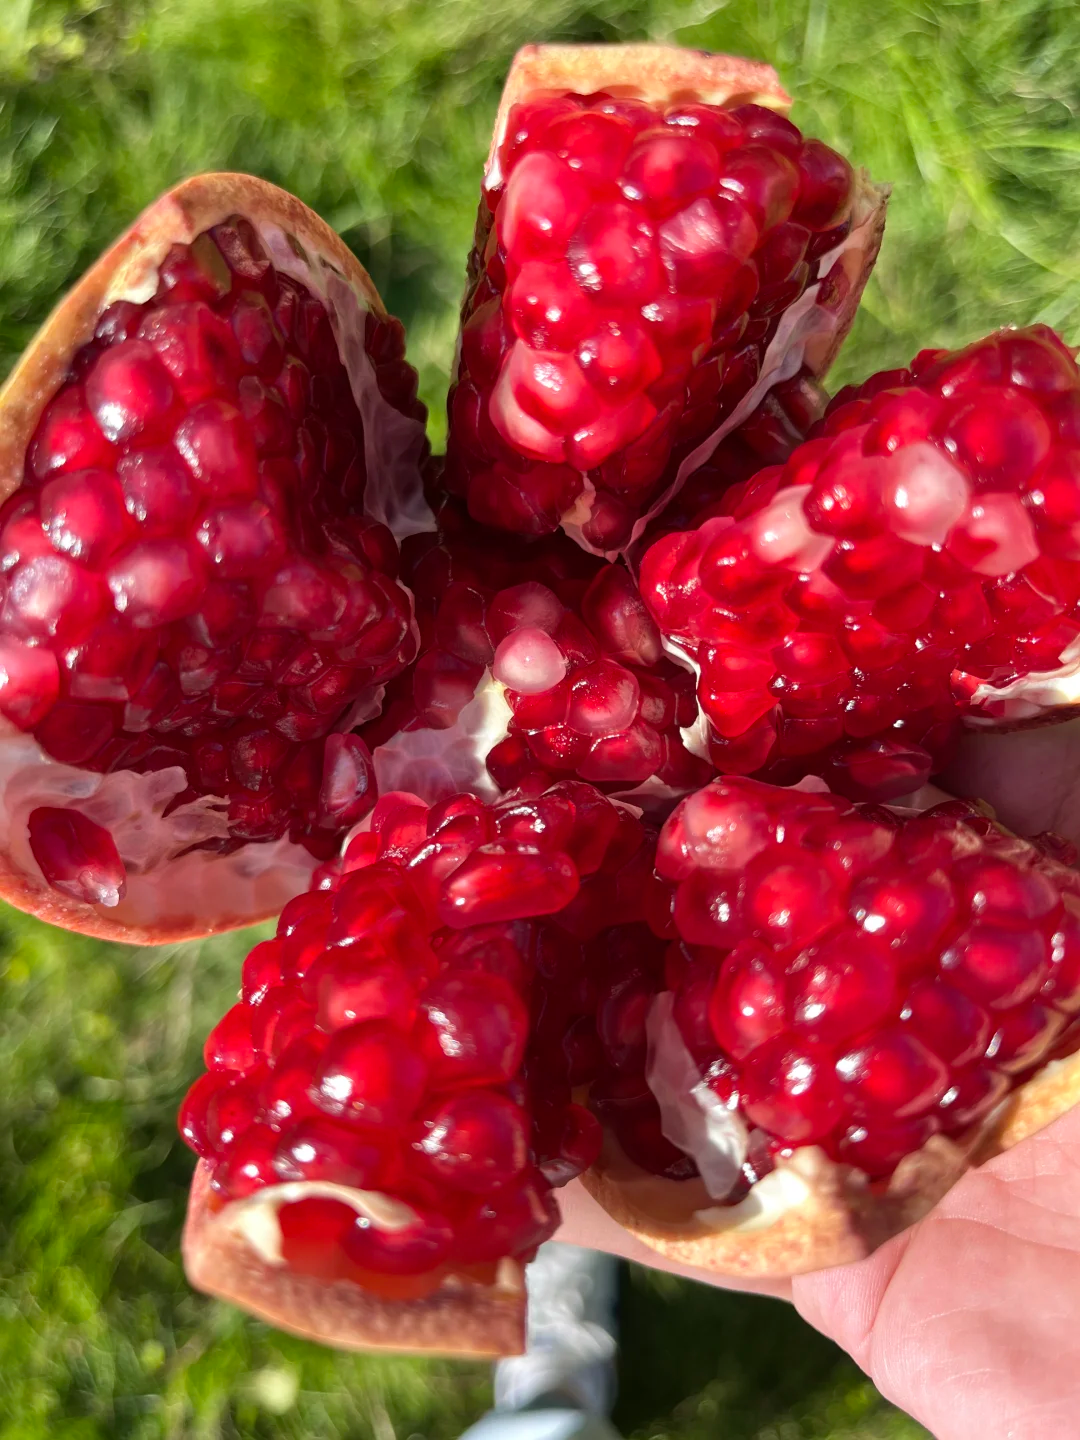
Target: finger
{"x": 586, "y": 1223}
{"x": 1030, "y": 777}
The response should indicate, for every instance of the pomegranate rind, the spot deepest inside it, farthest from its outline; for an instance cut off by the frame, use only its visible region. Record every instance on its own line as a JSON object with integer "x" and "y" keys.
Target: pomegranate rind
{"x": 668, "y": 74}
{"x": 129, "y": 267}
{"x": 464, "y": 1320}
{"x": 839, "y": 1216}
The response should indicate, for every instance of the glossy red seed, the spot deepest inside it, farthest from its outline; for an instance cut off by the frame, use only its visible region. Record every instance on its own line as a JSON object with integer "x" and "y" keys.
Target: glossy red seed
{"x": 613, "y": 251}
{"x": 503, "y": 882}
{"x": 322, "y": 1149}
{"x": 748, "y": 1006}
{"x": 370, "y": 1072}
{"x": 313, "y": 1235}
{"x": 229, "y": 1045}
{"x": 948, "y": 968}
{"x": 77, "y": 856}
{"x": 249, "y": 1164}
{"x": 474, "y": 1142}
{"x": 415, "y": 1248}
{"x": 191, "y": 1121}
{"x": 472, "y": 1030}
{"x": 792, "y": 1091}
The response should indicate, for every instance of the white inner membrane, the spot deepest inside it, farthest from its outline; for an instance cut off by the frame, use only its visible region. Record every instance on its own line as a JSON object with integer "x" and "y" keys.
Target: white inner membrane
{"x": 255, "y": 1218}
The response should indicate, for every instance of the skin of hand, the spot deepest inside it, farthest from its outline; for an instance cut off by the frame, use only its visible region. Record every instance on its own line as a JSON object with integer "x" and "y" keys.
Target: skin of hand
{"x": 970, "y": 1320}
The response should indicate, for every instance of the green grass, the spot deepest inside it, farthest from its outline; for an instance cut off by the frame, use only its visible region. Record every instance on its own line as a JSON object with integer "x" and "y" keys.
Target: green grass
{"x": 378, "y": 115}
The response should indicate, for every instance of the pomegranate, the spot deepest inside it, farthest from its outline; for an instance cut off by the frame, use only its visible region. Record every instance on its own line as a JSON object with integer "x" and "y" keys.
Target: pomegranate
{"x": 207, "y": 456}
{"x": 849, "y": 994}
{"x": 912, "y": 567}
{"x": 389, "y": 1103}
{"x": 656, "y": 244}
{"x": 766, "y": 1035}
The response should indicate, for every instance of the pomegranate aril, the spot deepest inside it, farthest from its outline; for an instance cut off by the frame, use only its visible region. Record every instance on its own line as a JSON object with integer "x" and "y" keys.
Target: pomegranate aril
{"x": 417, "y": 1247}
{"x": 792, "y": 1091}
{"x": 371, "y": 1072}
{"x": 229, "y": 1045}
{"x": 512, "y": 1222}
{"x": 322, "y": 1149}
{"x": 191, "y": 1121}
{"x": 474, "y": 1142}
{"x": 29, "y": 682}
{"x": 439, "y": 1113}
{"x": 129, "y": 393}
{"x": 77, "y": 856}
{"x": 166, "y": 459}
{"x": 248, "y": 1165}
{"x": 158, "y": 490}
{"x": 313, "y": 1236}
{"x": 472, "y": 1030}
{"x": 231, "y": 1111}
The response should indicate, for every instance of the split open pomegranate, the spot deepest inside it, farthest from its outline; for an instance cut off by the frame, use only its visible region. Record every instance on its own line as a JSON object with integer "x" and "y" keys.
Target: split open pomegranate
{"x": 656, "y": 245}
{"x": 913, "y": 566}
{"x": 208, "y": 456}
{"x": 767, "y": 1027}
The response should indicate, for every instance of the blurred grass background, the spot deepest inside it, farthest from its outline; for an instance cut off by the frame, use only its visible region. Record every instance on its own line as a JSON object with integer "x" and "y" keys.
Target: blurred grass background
{"x": 378, "y": 115}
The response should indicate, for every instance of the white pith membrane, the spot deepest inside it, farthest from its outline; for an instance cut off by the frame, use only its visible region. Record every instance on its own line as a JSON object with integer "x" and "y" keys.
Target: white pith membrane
{"x": 169, "y": 883}
{"x": 436, "y": 764}
{"x": 256, "y": 1221}
{"x": 1031, "y": 696}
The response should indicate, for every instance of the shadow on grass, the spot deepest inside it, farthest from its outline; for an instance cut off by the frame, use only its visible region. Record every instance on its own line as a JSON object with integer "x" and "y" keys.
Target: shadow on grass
{"x": 697, "y": 1362}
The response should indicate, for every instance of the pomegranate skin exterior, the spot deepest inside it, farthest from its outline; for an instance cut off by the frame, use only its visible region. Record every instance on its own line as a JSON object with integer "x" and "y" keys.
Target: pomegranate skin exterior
{"x": 648, "y": 217}
{"x": 864, "y": 1002}
{"x": 910, "y": 569}
{"x": 141, "y": 411}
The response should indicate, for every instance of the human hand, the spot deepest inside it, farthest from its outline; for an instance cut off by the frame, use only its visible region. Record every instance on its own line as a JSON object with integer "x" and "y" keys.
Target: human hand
{"x": 970, "y": 1320}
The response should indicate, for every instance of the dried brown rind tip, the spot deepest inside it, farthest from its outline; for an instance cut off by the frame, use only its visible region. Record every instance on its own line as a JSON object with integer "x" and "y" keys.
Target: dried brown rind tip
{"x": 841, "y": 1218}
{"x": 465, "y": 1321}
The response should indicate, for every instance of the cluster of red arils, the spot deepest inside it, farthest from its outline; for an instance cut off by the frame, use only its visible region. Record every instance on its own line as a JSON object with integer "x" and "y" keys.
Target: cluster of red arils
{"x": 914, "y": 564}
{"x": 632, "y": 263}
{"x": 405, "y": 1033}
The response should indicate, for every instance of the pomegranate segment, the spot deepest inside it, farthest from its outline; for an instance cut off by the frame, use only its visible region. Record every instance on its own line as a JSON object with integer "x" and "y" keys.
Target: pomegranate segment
{"x": 633, "y": 261}
{"x": 842, "y": 975}
{"x": 191, "y": 580}
{"x": 402, "y": 1038}
{"x": 555, "y": 639}
{"x": 912, "y": 566}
